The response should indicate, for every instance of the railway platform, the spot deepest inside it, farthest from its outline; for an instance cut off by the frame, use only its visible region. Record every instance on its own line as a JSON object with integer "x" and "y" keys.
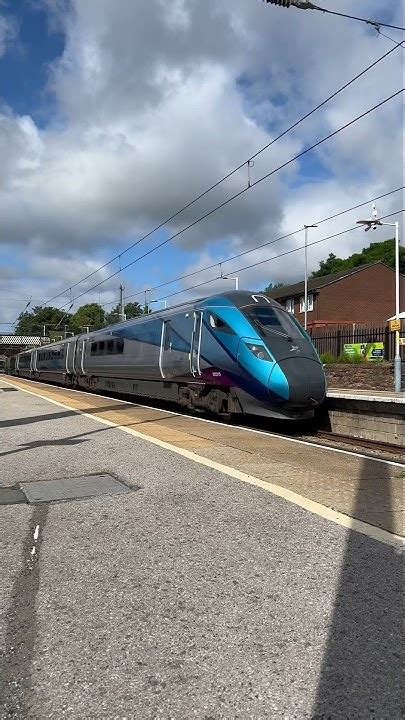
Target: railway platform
{"x": 365, "y": 414}
{"x": 233, "y": 573}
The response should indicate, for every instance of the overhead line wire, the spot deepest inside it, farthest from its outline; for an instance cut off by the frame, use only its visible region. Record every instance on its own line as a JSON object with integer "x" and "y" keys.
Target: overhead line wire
{"x": 241, "y": 192}
{"x": 274, "y": 257}
{"x": 374, "y": 23}
{"x": 232, "y": 172}
{"x": 259, "y": 247}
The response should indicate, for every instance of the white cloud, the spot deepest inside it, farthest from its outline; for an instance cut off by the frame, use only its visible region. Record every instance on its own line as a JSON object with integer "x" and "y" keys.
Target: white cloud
{"x": 155, "y": 101}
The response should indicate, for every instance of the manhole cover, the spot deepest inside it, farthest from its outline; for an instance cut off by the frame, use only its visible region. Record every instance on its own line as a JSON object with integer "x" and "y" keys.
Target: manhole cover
{"x": 43, "y": 491}
{"x": 11, "y": 496}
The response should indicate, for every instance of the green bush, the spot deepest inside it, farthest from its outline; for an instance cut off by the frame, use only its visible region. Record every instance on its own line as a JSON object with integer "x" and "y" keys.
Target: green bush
{"x": 327, "y": 358}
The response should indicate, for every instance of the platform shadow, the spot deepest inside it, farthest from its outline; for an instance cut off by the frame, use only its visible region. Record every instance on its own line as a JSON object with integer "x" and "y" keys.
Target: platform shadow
{"x": 361, "y": 669}
{"x": 56, "y": 416}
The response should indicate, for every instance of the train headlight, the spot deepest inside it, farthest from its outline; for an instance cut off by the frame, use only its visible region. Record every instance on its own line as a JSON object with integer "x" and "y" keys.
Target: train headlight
{"x": 259, "y": 351}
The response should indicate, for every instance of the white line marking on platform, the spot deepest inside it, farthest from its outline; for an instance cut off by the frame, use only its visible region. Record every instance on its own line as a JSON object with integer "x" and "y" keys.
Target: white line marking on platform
{"x": 215, "y": 422}
{"x": 305, "y": 503}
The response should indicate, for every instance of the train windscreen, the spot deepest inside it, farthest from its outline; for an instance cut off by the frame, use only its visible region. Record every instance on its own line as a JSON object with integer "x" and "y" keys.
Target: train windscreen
{"x": 273, "y": 320}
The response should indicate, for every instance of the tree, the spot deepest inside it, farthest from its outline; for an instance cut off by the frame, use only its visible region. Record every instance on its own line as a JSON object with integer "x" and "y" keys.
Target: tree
{"x": 132, "y": 309}
{"x": 91, "y": 315}
{"x": 32, "y": 323}
{"x": 272, "y": 286}
{"x": 379, "y": 251}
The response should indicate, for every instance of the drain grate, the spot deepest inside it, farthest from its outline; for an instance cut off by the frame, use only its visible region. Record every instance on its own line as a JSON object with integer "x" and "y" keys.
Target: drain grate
{"x": 45, "y": 491}
{"x": 8, "y": 389}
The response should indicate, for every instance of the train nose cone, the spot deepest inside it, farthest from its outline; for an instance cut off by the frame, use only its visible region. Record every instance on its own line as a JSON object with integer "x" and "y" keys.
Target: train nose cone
{"x": 306, "y": 380}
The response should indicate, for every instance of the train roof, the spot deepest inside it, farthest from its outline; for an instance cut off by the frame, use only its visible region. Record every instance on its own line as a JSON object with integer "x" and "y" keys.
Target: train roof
{"x": 238, "y": 298}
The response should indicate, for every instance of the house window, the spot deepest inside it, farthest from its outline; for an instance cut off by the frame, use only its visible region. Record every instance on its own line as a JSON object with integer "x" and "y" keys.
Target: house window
{"x": 310, "y": 303}
{"x": 289, "y": 305}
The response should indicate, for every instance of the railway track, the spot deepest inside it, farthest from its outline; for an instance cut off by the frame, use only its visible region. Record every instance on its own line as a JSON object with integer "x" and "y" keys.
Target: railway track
{"x": 362, "y": 442}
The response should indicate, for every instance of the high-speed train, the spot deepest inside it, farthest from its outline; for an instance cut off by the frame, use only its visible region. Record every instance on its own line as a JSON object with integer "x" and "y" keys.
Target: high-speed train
{"x": 236, "y": 352}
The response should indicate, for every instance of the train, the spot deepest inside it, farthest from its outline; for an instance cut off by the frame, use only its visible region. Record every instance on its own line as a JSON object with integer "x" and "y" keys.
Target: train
{"x": 232, "y": 353}
{"x": 3, "y": 364}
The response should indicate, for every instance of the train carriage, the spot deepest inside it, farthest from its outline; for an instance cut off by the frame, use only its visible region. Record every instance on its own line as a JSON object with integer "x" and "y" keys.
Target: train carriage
{"x": 236, "y": 352}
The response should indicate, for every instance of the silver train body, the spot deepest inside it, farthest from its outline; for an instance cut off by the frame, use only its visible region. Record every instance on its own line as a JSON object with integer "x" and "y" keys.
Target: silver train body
{"x": 231, "y": 353}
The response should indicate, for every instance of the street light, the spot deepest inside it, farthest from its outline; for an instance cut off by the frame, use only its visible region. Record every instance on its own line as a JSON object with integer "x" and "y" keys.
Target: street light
{"x": 373, "y": 223}
{"x": 146, "y": 307}
{"x": 306, "y": 274}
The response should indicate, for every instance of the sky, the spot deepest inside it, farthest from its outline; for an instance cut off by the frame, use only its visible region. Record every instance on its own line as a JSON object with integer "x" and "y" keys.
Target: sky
{"x": 115, "y": 115}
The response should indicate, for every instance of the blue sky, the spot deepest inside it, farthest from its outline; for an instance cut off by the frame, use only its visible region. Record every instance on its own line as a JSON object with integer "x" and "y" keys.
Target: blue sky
{"x": 24, "y": 68}
{"x": 113, "y": 116}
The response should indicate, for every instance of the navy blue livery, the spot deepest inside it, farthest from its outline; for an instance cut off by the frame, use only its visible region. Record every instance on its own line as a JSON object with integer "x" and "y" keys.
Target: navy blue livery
{"x": 237, "y": 352}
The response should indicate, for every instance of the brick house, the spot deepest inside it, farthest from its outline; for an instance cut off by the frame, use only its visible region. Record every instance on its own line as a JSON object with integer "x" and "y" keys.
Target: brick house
{"x": 365, "y": 294}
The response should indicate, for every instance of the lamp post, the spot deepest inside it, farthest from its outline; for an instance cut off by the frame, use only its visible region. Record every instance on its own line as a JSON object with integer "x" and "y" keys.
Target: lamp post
{"x": 146, "y": 307}
{"x": 373, "y": 223}
{"x": 306, "y": 274}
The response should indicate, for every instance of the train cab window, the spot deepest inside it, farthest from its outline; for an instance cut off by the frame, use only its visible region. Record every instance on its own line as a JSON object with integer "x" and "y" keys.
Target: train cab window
{"x": 119, "y": 346}
{"x": 218, "y": 324}
{"x": 275, "y": 320}
{"x": 110, "y": 347}
{"x": 93, "y": 349}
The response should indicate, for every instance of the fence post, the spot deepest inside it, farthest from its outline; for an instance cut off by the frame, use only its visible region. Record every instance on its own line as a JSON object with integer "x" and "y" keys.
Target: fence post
{"x": 338, "y": 342}
{"x": 386, "y": 343}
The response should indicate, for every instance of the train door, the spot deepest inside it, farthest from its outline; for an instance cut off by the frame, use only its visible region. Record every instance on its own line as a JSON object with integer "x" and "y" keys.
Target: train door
{"x": 33, "y": 361}
{"x": 78, "y": 358}
{"x": 165, "y": 350}
{"x": 175, "y": 346}
{"x": 196, "y": 345}
{"x": 70, "y": 356}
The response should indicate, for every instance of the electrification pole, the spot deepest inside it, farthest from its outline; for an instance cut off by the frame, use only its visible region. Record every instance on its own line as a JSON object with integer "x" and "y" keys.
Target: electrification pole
{"x": 372, "y": 224}
{"x": 121, "y": 304}
{"x": 306, "y": 274}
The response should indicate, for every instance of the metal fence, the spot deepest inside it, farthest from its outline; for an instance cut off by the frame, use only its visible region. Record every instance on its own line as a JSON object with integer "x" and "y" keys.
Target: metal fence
{"x": 332, "y": 340}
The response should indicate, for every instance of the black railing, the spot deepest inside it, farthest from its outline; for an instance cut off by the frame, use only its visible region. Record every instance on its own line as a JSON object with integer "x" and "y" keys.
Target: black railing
{"x": 332, "y": 340}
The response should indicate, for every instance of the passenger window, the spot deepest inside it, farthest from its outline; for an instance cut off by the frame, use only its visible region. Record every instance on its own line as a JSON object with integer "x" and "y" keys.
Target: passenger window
{"x": 119, "y": 346}
{"x": 110, "y": 347}
{"x": 218, "y": 324}
{"x": 101, "y": 347}
{"x": 93, "y": 350}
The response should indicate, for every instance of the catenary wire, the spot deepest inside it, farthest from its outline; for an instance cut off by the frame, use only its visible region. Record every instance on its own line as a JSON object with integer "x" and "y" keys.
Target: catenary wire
{"x": 238, "y": 194}
{"x": 257, "y": 247}
{"x": 230, "y": 174}
{"x": 374, "y": 23}
{"x": 274, "y": 257}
